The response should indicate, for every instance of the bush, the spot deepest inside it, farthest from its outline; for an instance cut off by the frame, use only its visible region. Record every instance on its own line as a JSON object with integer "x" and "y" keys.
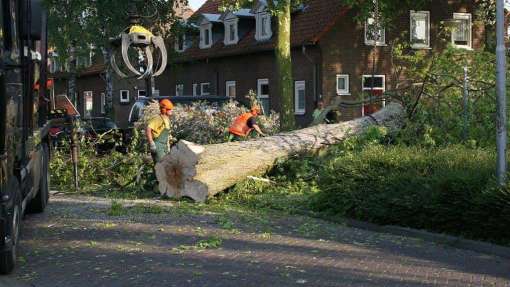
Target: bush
{"x": 204, "y": 124}
{"x": 130, "y": 174}
{"x": 124, "y": 174}
{"x": 448, "y": 189}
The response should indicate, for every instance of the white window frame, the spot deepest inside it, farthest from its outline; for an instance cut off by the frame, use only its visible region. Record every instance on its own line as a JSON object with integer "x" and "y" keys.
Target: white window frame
{"x": 345, "y": 91}
{"x": 205, "y": 28}
{"x": 369, "y": 42}
{"x": 202, "y": 85}
{"x": 229, "y": 23}
{"x": 426, "y": 15}
{"x": 375, "y": 88}
{"x": 299, "y": 85}
{"x": 464, "y": 16}
{"x": 261, "y": 82}
{"x": 103, "y": 103}
{"x": 229, "y": 84}
{"x": 124, "y": 99}
{"x": 139, "y": 92}
{"x": 368, "y": 89}
{"x": 179, "y": 90}
{"x": 178, "y": 40}
{"x": 86, "y": 110}
{"x": 258, "y": 26}
{"x": 195, "y": 89}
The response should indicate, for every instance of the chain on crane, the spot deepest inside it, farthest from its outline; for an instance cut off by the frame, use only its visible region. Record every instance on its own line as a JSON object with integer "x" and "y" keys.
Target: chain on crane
{"x": 146, "y": 44}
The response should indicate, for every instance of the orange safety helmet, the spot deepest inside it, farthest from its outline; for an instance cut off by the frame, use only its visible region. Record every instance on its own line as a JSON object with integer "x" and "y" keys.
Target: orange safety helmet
{"x": 166, "y": 104}
{"x": 256, "y": 109}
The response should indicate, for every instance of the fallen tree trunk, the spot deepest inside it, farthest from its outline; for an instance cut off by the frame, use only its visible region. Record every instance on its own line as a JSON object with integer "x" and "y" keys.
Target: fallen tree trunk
{"x": 198, "y": 172}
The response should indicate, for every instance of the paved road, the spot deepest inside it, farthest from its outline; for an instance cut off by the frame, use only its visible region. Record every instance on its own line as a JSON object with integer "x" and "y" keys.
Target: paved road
{"x": 78, "y": 243}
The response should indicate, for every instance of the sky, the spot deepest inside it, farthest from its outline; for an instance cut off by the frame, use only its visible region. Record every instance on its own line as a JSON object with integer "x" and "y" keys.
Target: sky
{"x": 195, "y": 4}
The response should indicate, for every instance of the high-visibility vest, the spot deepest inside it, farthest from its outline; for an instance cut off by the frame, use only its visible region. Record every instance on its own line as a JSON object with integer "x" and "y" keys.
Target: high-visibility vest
{"x": 240, "y": 125}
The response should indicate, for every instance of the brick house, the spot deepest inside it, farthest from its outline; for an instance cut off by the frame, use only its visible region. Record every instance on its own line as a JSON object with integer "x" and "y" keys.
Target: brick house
{"x": 91, "y": 93}
{"x": 230, "y": 53}
{"x": 91, "y": 83}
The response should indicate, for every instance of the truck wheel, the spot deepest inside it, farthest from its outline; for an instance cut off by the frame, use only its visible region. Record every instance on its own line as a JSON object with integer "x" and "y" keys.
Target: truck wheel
{"x": 13, "y": 225}
{"x": 39, "y": 202}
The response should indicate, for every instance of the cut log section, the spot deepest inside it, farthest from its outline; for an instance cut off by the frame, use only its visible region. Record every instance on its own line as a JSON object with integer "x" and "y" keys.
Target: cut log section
{"x": 198, "y": 172}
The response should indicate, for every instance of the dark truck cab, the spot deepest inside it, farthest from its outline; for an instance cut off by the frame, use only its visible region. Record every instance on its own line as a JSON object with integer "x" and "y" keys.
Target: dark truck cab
{"x": 24, "y": 145}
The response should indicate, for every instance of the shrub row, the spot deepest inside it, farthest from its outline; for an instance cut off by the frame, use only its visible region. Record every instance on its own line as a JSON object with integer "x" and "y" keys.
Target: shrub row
{"x": 447, "y": 189}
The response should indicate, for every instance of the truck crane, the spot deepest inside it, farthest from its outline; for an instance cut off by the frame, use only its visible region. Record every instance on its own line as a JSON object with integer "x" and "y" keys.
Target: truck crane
{"x": 24, "y": 124}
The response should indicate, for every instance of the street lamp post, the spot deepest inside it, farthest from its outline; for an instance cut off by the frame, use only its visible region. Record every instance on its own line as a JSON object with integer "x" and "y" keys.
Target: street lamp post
{"x": 501, "y": 125}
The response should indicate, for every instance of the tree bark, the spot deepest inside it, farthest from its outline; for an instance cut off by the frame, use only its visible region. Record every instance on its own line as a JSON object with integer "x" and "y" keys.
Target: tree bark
{"x": 71, "y": 82}
{"x": 107, "y": 56}
{"x": 284, "y": 66}
{"x": 199, "y": 172}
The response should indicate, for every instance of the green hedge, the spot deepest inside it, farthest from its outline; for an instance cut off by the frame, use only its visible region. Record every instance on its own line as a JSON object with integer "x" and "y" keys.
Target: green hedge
{"x": 448, "y": 189}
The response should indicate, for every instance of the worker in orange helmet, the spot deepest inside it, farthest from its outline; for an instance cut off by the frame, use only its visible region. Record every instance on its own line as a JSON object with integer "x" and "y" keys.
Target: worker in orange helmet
{"x": 158, "y": 131}
{"x": 242, "y": 126}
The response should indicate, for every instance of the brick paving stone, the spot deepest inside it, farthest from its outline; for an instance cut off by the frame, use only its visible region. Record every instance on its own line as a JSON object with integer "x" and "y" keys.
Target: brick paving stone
{"x": 75, "y": 243}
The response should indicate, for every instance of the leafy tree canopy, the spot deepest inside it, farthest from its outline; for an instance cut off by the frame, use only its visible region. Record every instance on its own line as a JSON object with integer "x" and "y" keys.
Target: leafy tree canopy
{"x": 84, "y": 24}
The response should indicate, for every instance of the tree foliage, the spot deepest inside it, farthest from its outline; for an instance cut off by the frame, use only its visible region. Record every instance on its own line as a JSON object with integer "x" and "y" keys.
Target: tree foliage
{"x": 435, "y": 101}
{"x": 87, "y": 24}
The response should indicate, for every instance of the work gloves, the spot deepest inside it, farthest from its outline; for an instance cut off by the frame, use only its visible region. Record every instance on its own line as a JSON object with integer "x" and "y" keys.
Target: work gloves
{"x": 152, "y": 146}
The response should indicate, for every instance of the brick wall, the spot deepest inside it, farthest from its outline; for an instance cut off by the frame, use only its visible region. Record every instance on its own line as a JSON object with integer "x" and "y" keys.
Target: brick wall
{"x": 244, "y": 70}
{"x": 97, "y": 85}
{"x": 121, "y": 110}
{"x": 344, "y": 51}
{"x": 94, "y": 84}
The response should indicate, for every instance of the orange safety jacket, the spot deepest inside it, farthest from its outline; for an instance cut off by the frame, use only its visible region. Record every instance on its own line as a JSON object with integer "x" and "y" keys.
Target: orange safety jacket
{"x": 240, "y": 125}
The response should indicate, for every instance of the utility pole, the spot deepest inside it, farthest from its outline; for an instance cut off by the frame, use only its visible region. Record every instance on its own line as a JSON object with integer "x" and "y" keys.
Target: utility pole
{"x": 501, "y": 126}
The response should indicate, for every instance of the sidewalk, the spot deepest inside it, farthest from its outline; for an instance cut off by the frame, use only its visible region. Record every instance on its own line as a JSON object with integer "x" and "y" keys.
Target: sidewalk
{"x": 8, "y": 282}
{"x": 77, "y": 244}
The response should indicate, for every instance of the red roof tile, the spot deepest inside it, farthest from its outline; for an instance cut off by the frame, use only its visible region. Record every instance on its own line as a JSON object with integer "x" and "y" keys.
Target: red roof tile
{"x": 210, "y": 6}
{"x": 308, "y": 26}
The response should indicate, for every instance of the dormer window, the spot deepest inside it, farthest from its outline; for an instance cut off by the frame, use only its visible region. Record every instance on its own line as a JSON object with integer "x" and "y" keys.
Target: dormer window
{"x": 420, "y": 29}
{"x": 263, "y": 24}
{"x": 205, "y": 35}
{"x": 375, "y": 34}
{"x": 231, "y": 33}
{"x": 461, "y": 34}
{"x": 180, "y": 43}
